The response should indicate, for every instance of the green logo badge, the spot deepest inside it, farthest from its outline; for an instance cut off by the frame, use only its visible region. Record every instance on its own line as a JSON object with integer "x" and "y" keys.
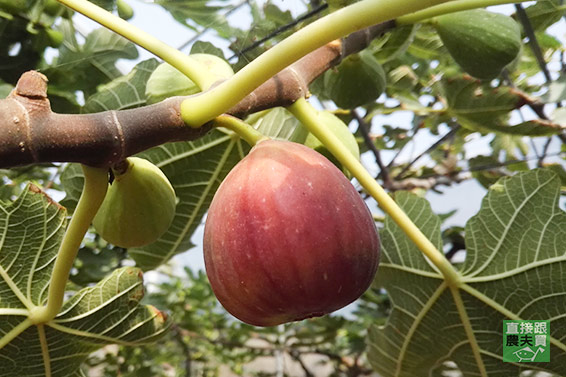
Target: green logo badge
{"x": 526, "y": 341}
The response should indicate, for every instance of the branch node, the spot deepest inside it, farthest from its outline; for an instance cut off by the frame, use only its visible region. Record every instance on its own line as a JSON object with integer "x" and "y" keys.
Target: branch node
{"x": 32, "y": 84}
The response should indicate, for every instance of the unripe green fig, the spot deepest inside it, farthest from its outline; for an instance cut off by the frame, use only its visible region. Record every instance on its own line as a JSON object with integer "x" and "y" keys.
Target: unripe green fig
{"x": 54, "y": 37}
{"x": 481, "y": 42}
{"x": 53, "y": 7}
{"x": 167, "y": 81}
{"x": 339, "y": 129}
{"x": 287, "y": 237}
{"x": 125, "y": 11}
{"x": 139, "y": 206}
{"x": 358, "y": 80}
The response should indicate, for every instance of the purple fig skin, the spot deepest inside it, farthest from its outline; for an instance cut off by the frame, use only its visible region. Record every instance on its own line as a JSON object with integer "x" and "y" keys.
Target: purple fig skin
{"x": 288, "y": 237}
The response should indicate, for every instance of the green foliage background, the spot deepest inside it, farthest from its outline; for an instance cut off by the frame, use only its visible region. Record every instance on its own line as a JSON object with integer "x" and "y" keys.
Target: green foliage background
{"x": 410, "y": 321}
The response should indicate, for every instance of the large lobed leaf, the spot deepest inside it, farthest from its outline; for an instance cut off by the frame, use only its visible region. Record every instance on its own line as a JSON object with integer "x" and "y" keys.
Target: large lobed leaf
{"x": 193, "y": 13}
{"x": 31, "y": 229}
{"x": 124, "y": 92}
{"x": 85, "y": 66}
{"x": 514, "y": 269}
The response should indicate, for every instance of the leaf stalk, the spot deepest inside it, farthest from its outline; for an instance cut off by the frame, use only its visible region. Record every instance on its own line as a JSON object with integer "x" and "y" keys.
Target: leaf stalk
{"x": 308, "y": 115}
{"x": 190, "y": 67}
{"x": 198, "y": 110}
{"x": 241, "y": 128}
{"x": 94, "y": 191}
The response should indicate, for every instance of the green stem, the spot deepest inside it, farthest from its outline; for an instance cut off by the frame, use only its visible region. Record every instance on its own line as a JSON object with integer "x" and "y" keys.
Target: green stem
{"x": 308, "y": 115}
{"x": 94, "y": 191}
{"x": 241, "y": 128}
{"x": 44, "y": 350}
{"x": 451, "y": 7}
{"x": 15, "y": 331}
{"x": 193, "y": 69}
{"x": 198, "y": 110}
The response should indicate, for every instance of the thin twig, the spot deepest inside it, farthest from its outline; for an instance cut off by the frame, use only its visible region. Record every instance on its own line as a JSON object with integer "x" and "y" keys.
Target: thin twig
{"x": 200, "y": 33}
{"x": 364, "y": 129}
{"x": 446, "y": 136}
{"x": 429, "y": 183}
{"x": 414, "y": 131}
{"x": 510, "y": 83}
{"x": 178, "y": 336}
{"x": 533, "y": 42}
{"x": 497, "y": 165}
{"x": 297, "y": 357}
{"x": 544, "y": 151}
{"x": 279, "y": 30}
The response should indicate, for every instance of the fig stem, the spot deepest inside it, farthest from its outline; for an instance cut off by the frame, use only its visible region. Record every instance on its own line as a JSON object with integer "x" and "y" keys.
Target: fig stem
{"x": 190, "y": 67}
{"x": 121, "y": 167}
{"x": 200, "y": 109}
{"x": 450, "y": 7}
{"x": 241, "y": 128}
{"x": 308, "y": 115}
{"x": 94, "y": 191}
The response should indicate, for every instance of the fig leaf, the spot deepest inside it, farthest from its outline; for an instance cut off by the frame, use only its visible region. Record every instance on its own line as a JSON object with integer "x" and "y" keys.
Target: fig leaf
{"x": 514, "y": 266}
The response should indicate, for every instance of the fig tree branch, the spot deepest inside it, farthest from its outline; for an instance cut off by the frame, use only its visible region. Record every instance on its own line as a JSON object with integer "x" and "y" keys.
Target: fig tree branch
{"x": 32, "y": 133}
{"x": 201, "y": 109}
{"x": 455, "y": 128}
{"x": 364, "y": 129}
{"x": 533, "y": 41}
{"x": 429, "y": 183}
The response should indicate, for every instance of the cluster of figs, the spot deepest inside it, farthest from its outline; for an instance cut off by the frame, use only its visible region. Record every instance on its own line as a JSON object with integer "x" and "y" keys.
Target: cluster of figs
{"x": 287, "y": 236}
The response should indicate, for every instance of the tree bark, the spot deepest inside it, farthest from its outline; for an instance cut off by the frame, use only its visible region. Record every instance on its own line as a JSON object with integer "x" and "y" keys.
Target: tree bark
{"x": 32, "y": 133}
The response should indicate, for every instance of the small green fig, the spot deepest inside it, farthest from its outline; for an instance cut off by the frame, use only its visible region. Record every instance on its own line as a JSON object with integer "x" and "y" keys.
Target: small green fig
{"x": 125, "y": 11}
{"x": 167, "y": 81}
{"x": 288, "y": 237}
{"x": 481, "y": 42}
{"x": 139, "y": 206}
{"x": 54, "y": 37}
{"x": 53, "y": 7}
{"x": 358, "y": 80}
{"x": 339, "y": 129}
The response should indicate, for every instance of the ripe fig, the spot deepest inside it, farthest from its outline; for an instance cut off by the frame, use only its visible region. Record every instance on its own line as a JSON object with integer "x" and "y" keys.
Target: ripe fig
{"x": 288, "y": 237}
{"x": 167, "y": 81}
{"x": 358, "y": 80}
{"x": 139, "y": 206}
{"x": 481, "y": 42}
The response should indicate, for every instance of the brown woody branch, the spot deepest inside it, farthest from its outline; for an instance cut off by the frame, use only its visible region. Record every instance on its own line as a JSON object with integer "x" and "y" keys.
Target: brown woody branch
{"x": 430, "y": 183}
{"x": 32, "y": 133}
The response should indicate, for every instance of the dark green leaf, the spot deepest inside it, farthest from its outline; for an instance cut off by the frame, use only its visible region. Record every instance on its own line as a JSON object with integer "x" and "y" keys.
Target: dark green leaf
{"x": 84, "y": 67}
{"x": 479, "y": 107}
{"x": 124, "y": 92}
{"x": 544, "y": 13}
{"x": 206, "y": 48}
{"x": 109, "y": 312}
{"x": 513, "y": 270}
